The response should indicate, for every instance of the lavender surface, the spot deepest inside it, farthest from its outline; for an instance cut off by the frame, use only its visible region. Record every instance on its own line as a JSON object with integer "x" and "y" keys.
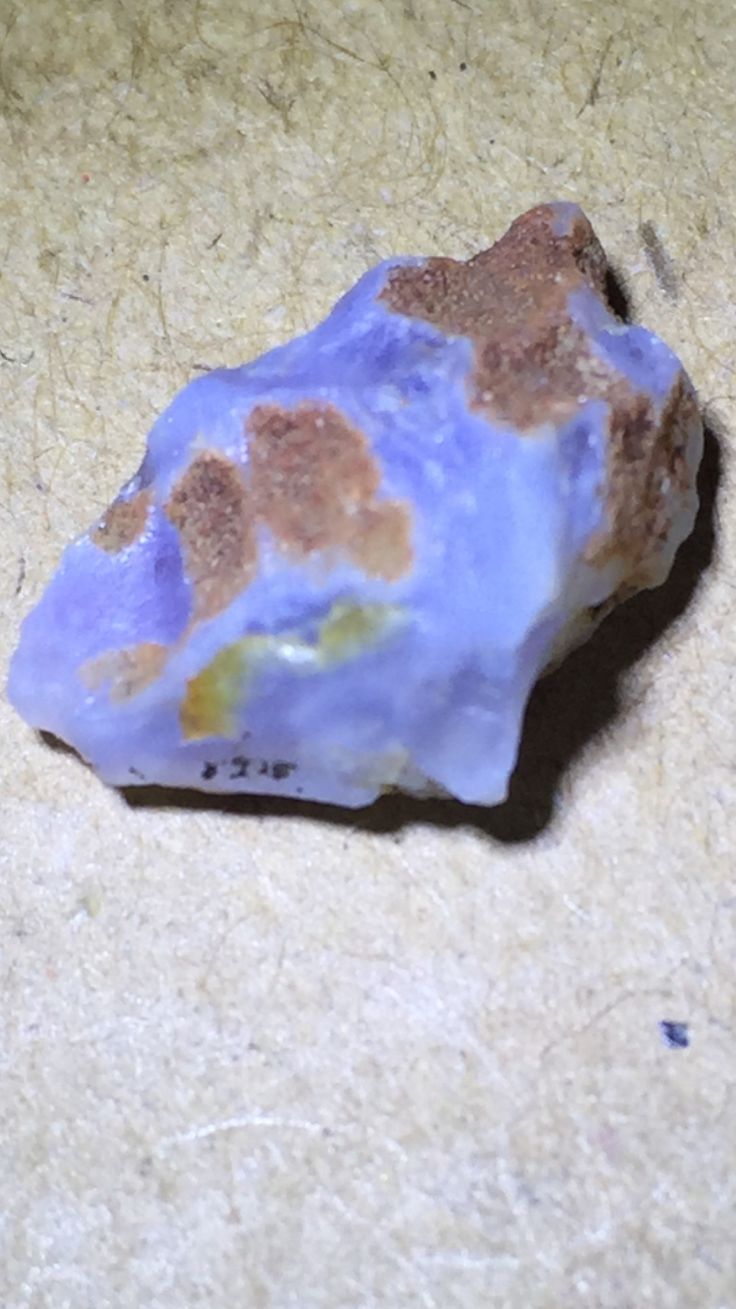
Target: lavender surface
{"x": 342, "y": 567}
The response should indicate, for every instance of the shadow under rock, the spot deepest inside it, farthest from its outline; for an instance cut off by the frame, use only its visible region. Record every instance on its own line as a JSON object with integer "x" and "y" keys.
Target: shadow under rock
{"x": 566, "y": 710}
{"x": 617, "y": 294}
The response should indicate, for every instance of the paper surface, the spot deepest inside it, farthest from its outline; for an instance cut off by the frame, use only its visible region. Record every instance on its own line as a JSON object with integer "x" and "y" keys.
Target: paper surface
{"x": 262, "y": 1055}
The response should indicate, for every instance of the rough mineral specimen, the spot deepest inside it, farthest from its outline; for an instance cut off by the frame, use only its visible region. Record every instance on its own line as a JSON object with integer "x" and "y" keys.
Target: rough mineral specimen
{"x": 340, "y": 568}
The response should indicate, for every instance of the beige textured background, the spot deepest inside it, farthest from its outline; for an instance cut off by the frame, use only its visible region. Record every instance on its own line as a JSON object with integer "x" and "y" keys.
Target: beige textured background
{"x": 270, "y": 1056}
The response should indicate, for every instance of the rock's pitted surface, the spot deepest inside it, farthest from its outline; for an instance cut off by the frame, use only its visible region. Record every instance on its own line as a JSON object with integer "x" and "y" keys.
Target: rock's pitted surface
{"x": 341, "y": 568}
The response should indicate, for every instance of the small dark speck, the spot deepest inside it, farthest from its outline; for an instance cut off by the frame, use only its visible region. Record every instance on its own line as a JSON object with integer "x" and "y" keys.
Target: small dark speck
{"x": 463, "y": 66}
{"x": 433, "y": 75}
{"x": 661, "y": 262}
{"x": 675, "y": 1035}
{"x": 21, "y": 575}
{"x": 214, "y": 241}
{"x": 146, "y": 277}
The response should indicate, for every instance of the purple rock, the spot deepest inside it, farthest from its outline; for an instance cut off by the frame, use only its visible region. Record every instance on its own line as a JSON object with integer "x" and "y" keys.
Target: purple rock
{"x": 341, "y": 568}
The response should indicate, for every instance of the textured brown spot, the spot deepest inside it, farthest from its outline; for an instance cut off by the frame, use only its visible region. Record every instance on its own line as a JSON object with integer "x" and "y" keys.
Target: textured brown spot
{"x": 533, "y": 365}
{"x": 122, "y": 523}
{"x": 128, "y": 671}
{"x": 313, "y": 482}
{"x": 531, "y": 362}
{"x": 209, "y": 508}
{"x": 648, "y": 476}
{"x": 383, "y": 532}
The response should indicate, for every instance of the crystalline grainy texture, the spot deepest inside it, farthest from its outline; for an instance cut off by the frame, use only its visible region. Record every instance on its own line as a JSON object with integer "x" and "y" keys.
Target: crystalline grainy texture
{"x": 341, "y": 568}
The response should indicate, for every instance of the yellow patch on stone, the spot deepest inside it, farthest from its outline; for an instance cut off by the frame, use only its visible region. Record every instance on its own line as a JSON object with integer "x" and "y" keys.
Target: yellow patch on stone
{"x": 213, "y": 697}
{"x": 208, "y": 707}
{"x": 349, "y": 629}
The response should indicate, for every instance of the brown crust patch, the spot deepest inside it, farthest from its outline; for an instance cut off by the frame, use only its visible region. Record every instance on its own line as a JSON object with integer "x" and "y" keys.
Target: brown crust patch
{"x": 531, "y": 361}
{"x": 311, "y": 479}
{"x": 129, "y": 671}
{"x": 209, "y": 507}
{"x": 122, "y": 523}
{"x": 647, "y": 468}
{"x": 313, "y": 483}
{"x": 533, "y": 365}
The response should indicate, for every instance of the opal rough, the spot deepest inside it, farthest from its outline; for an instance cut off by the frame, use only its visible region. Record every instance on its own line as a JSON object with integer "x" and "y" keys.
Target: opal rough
{"x": 340, "y": 569}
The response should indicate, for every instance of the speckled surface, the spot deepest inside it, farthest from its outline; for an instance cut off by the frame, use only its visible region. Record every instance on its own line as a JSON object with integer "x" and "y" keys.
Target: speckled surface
{"x": 287, "y": 1057}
